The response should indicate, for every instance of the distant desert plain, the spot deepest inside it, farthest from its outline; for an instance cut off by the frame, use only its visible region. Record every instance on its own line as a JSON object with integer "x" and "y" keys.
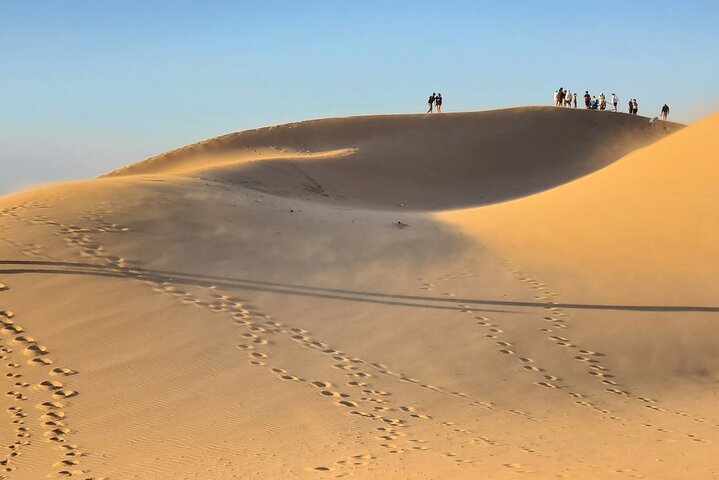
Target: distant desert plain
{"x": 521, "y": 293}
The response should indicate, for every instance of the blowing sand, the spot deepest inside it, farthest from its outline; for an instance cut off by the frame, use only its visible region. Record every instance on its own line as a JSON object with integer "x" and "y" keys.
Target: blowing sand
{"x": 249, "y": 307}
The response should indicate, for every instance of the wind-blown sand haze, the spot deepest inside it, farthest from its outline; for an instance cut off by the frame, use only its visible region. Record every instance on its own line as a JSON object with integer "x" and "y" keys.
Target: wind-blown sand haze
{"x": 519, "y": 293}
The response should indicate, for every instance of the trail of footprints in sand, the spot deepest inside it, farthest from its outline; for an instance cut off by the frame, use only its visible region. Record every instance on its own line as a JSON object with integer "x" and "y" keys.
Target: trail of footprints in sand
{"x": 366, "y": 400}
{"x": 52, "y": 394}
{"x": 19, "y": 351}
{"x": 556, "y": 332}
{"x": 369, "y": 403}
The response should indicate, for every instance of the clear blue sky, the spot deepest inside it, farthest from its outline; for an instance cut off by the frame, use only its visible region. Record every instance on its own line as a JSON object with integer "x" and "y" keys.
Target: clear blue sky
{"x": 87, "y": 86}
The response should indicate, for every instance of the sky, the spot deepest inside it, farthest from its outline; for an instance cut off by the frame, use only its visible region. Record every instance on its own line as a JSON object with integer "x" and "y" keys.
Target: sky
{"x": 88, "y": 86}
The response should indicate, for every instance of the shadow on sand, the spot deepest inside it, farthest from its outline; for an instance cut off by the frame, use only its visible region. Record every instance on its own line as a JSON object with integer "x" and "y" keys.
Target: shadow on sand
{"x": 79, "y": 268}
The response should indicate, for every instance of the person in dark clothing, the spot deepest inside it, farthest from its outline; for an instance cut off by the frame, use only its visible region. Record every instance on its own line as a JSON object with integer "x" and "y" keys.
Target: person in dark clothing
{"x": 636, "y": 106}
{"x": 631, "y": 106}
{"x": 431, "y": 101}
{"x": 665, "y": 112}
{"x": 438, "y": 102}
{"x": 587, "y": 100}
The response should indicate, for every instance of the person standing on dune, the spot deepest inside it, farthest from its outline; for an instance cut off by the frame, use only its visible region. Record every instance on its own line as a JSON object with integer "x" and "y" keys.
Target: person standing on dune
{"x": 431, "y": 101}
{"x": 438, "y": 102}
{"x": 635, "y": 106}
{"x": 556, "y": 97}
{"x": 574, "y": 99}
{"x": 665, "y": 112}
{"x": 587, "y": 100}
{"x": 631, "y": 106}
{"x": 615, "y": 101}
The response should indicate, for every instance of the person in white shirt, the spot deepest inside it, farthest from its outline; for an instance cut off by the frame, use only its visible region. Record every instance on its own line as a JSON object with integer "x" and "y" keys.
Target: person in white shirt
{"x": 615, "y": 101}
{"x": 556, "y": 97}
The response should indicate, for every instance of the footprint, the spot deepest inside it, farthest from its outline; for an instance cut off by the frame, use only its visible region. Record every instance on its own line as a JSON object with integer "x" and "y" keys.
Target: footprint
{"x": 40, "y": 361}
{"x": 49, "y": 385}
{"x": 35, "y": 350}
{"x": 65, "y": 393}
{"x": 50, "y": 406}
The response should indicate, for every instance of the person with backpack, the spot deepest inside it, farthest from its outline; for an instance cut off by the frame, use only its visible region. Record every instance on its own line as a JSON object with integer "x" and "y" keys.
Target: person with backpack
{"x": 615, "y": 101}
{"x": 665, "y": 112}
{"x": 431, "y": 101}
{"x": 438, "y": 102}
{"x": 587, "y": 100}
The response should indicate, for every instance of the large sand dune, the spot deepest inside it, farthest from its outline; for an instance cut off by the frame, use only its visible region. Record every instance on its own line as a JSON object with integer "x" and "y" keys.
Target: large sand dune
{"x": 249, "y": 307}
{"x": 418, "y": 161}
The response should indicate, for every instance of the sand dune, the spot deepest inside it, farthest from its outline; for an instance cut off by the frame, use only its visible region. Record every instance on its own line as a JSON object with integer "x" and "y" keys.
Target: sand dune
{"x": 419, "y": 161}
{"x": 250, "y": 307}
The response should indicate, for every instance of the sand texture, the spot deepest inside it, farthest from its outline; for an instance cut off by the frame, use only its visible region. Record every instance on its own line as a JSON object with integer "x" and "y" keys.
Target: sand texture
{"x": 520, "y": 293}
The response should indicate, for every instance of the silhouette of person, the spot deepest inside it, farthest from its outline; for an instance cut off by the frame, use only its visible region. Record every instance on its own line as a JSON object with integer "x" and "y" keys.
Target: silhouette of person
{"x": 438, "y": 102}
{"x": 665, "y": 112}
{"x": 431, "y": 101}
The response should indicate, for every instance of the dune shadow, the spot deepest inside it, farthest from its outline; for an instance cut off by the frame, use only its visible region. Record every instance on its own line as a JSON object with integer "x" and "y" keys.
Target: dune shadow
{"x": 443, "y": 303}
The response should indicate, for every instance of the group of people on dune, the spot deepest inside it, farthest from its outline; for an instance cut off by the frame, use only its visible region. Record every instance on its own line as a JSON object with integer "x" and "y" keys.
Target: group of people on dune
{"x": 567, "y": 99}
{"x": 435, "y": 101}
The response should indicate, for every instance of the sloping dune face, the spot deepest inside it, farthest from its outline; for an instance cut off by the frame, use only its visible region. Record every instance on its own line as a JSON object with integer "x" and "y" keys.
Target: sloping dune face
{"x": 648, "y": 222}
{"x": 418, "y": 161}
{"x": 258, "y": 306}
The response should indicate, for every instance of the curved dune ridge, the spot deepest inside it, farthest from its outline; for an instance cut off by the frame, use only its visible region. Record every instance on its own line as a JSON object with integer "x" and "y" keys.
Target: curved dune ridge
{"x": 527, "y": 292}
{"x": 418, "y": 161}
